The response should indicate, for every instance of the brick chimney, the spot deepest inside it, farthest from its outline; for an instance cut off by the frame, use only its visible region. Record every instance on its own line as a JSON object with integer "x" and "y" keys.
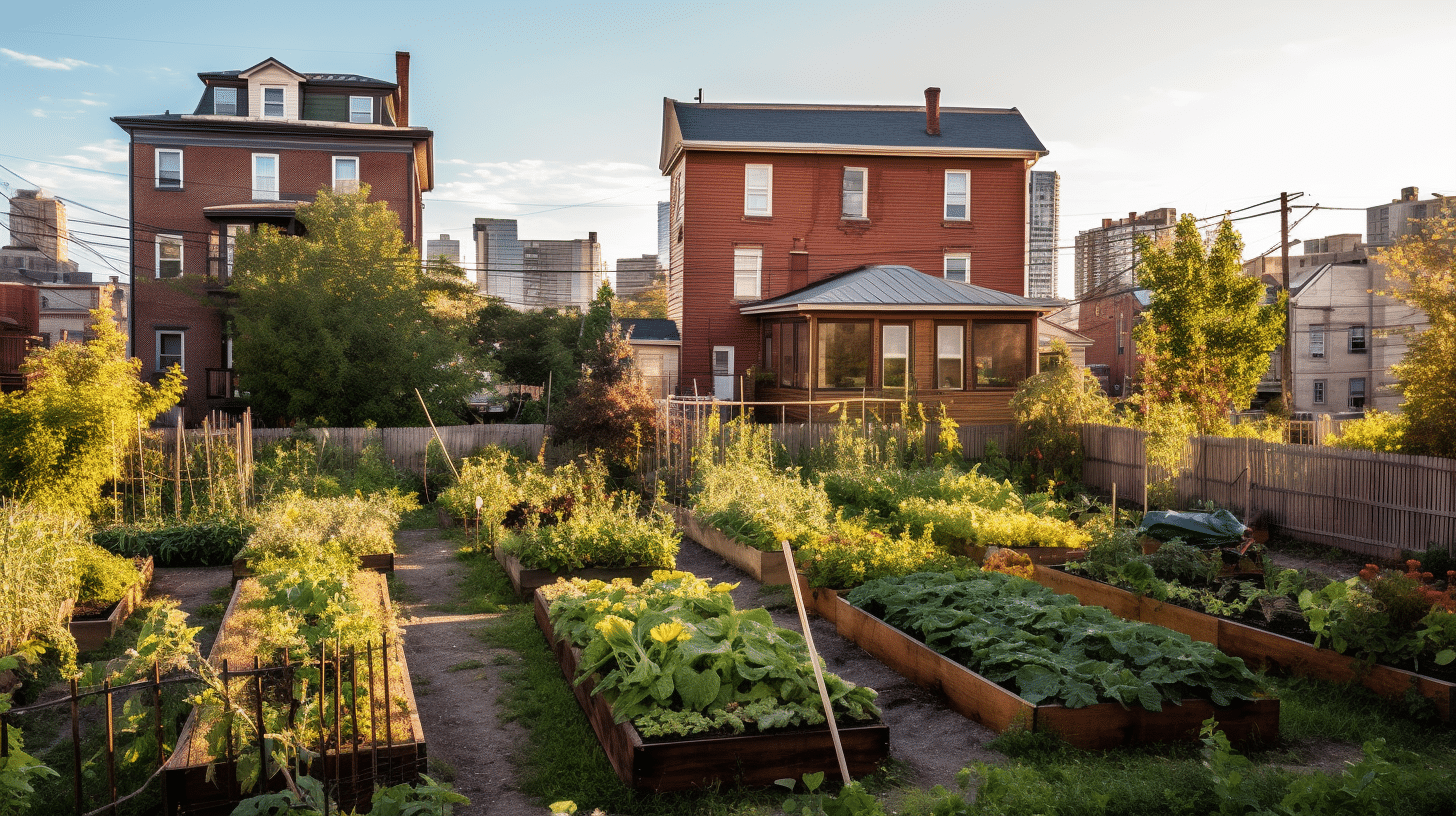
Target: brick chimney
{"x": 932, "y": 111}
{"x": 401, "y": 78}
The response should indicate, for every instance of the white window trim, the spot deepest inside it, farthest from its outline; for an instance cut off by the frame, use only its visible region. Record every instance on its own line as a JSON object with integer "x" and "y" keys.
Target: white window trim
{"x": 1317, "y": 342}
{"x": 959, "y": 356}
{"x": 356, "y": 180}
{"x": 766, "y": 191}
{"x": 181, "y": 356}
{"x": 163, "y": 238}
{"x": 215, "y": 111}
{"x": 157, "y": 168}
{"x": 263, "y": 101}
{"x": 885, "y": 355}
{"x": 741, "y": 292}
{"x": 368, "y": 99}
{"x": 260, "y": 194}
{"x": 864, "y": 193}
{"x": 1364, "y": 340}
{"x": 945, "y": 267}
{"x": 945, "y": 196}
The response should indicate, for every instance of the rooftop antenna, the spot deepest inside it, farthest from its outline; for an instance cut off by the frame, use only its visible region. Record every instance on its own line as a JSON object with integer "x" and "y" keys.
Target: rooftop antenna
{"x": 699, "y": 97}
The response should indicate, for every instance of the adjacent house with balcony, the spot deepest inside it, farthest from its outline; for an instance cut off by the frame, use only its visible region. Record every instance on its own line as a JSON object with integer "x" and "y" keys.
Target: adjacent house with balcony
{"x": 847, "y": 250}
{"x": 258, "y": 143}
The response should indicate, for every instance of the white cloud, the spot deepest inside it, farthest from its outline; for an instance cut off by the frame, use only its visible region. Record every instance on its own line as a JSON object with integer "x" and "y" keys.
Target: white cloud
{"x": 532, "y": 185}
{"x": 109, "y": 151}
{"x": 38, "y": 113}
{"x": 62, "y": 64}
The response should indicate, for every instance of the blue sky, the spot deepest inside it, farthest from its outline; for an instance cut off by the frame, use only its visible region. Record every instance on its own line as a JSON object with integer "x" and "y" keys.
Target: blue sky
{"x": 551, "y": 112}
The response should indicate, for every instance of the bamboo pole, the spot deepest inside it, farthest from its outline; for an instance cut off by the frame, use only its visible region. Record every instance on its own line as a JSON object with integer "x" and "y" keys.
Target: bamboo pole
{"x": 814, "y": 661}
{"x": 424, "y": 465}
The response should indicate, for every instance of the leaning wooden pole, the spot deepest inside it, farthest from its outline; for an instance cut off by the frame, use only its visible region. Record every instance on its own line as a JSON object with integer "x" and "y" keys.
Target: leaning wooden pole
{"x": 814, "y": 661}
{"x": 425, "y": 464}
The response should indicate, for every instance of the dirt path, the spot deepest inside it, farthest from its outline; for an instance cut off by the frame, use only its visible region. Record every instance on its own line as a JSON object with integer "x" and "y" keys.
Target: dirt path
{"x": 457, "y": 681}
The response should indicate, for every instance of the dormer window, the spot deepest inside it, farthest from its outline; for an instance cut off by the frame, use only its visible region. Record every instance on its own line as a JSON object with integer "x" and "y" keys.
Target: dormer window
{"x": 361, "y": 110}
{"x": 225, "y": 101}
{"x": 273, "y": 103}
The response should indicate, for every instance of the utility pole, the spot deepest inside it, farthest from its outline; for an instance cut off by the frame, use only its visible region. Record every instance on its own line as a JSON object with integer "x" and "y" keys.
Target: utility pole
{"x": 1286, "y": 359}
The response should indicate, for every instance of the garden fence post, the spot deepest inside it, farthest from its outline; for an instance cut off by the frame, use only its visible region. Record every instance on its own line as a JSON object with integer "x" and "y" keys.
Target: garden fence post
{"x": 110, "y": 747}
{"x": 814, "y": 661}
{"x": 76, "y": 742}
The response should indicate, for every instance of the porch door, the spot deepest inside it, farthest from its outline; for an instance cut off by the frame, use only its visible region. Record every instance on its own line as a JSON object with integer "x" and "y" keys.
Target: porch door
{"x": 723, "y": 372}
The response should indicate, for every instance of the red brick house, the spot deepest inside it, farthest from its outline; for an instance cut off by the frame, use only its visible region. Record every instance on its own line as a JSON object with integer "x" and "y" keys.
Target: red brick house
{"x": 794, "y": 231}
{"x": 260, "y": 142}
{"x": 1109, "y": 319}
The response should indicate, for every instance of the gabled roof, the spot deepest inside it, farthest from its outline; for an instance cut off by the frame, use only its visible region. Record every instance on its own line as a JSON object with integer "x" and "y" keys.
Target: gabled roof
{"x": 894, "y": 287}
{"x": 874, "y": 129}
{"x": 316, "y": 79}
{"x": 652, "y": 329}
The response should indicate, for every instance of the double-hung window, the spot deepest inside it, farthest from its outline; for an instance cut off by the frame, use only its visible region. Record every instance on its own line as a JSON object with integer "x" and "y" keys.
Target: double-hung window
{"x": 361, "y": 110}
{"x": 273, "y": 107}
{"x": 758, "y": 189}
{"x": 169, "y": 349}
{"x": 225, "y": 101}
{"x": 747, "y": 272}
{"x": 950, "y": 356}
{"x": 169, "y": 169}
{"x": 1317, "y": 342}
{"x": 1357, "y": 392}
{"x": 957, "y": 195}
{"x": 346, "y": 174}
{"x": 894, "y": 355}
{"x": 1319, "y": 392}
{"x": 169, "y": 256}
{"x": 1357, "y": 340}
{"x": 265, "y": 176}
{"x": 958, "y": 267}
{"x": 853, "y": 195}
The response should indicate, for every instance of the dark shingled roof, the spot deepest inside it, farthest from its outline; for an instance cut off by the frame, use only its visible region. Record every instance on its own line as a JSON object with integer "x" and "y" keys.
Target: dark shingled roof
{"x": 878, "y": 287}
{"x": 870, "y": 126}
{"x": 652, "y": 328}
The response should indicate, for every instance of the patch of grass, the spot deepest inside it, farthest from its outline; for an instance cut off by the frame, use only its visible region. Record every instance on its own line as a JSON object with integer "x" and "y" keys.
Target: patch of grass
{"x": 484, "y": 587}
{"x": 440, "y": 770}
{"x": 222, "y": 594}
{"x": 423, "y": 518}
{"x": 466, "y": 666}
{"x": 399, "y": 592}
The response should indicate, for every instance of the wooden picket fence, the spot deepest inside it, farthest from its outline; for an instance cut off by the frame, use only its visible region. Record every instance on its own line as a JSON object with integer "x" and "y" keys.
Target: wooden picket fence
{"x": 1374, "y": 504}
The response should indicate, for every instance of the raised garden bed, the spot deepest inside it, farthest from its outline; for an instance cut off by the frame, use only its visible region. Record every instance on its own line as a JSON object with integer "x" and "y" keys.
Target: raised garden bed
{"x": 1050, "y": 555}
{"x": 91, "y": 633}
{"x": 378, "y": 562}
{"x": 195, "y": 781}
{"x": 754, "y": 760}
{"x": 1253, "y": 645}
{"x": 526, "y": 581}
{"x": 765, "y": 567}
{"x": 1106, "y": 725}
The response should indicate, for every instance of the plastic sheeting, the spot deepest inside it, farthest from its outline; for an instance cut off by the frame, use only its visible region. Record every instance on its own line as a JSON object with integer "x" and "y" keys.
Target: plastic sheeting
{"x": 1217, "y": 529}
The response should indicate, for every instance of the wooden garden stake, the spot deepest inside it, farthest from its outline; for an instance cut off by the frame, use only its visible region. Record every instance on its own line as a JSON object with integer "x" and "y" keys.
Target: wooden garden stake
{"x": 814, "y": 661}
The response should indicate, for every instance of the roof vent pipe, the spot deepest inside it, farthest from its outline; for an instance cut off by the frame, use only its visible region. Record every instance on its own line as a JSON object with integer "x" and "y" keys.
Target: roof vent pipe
{"x": 932, "y": 111}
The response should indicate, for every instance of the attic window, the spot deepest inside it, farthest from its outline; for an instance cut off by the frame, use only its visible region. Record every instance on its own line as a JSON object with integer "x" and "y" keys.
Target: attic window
{"x": 361, "y": 110}
{"x": 225, "y": 101}
{"x": 273, "y": 103}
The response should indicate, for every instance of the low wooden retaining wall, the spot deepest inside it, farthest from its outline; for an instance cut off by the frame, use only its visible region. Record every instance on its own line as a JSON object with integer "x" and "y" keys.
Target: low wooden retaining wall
{"x": 92, "y": 634}
{"x": 197, "y": 783}
{"x": 1255, "y": 646}
{"x": 526, "y": 581}
{"x": 765, "y": 567}
{"x": 1107, "y": 725}
{"x": 750, "y": 760}
{"x": 378, "y": 562}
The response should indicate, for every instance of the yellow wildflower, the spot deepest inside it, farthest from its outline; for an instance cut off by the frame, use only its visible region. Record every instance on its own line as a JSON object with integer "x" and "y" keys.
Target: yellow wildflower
{"x": 669, "y": 632}
{"x": 611, "y": 625}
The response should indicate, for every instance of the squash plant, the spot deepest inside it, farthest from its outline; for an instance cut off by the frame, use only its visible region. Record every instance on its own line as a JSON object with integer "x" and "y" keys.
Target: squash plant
{"x": 675, "y": 657}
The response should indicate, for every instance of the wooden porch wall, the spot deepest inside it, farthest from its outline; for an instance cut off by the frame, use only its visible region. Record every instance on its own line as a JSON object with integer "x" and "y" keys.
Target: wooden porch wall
{"x": 405, "y": 447}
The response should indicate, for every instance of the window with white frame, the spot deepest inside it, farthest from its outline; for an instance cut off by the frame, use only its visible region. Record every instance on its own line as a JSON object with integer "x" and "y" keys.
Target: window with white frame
{"x": 1317, "y": 342}
{"x": 1319, "y": 392}
{"x": 361, "y": 110}
{"x": 225, "y": 101}
{"x": 169, "y": 256}
{"x": 958, "y": 267}
{"x": 747, "y": 272}
{"x": 170, "y": 345}
{"x": 1357, "y": 340}
{"x": 169, "y": 169}
{"x": 233, "y": 231}
{"x": 758, "y": 189}
{"x": 950, "y": 356}
{"x": 957, "y": 195}
{"x": 853, "y": 194}
{"x": 273, "y": 107}
{"x": 346, "y": 174}
{"x": 1357, "y": 392}
{"x": 894, "y": 355}
{"x": 265, "y": 176}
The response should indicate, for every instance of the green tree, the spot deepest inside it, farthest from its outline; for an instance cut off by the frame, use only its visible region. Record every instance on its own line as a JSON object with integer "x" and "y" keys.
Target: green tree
{"x": 67, "y": 434}
{"x": 529, "y": 348}
{"x": 1423, "y": 269}
{"x": 1051, "y": 407}
{"x": 343, "y": 323}
{"x": 650, "y": 302}
{"x": 611, "y": 410}
{"x": 1207, "y": 334}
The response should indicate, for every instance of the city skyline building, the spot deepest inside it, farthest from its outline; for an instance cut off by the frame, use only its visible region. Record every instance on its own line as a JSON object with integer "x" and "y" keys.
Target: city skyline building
{"x": 537, "y": 273}
{"x": 1106, "y": 255}
{"x": 1043, "y": 204}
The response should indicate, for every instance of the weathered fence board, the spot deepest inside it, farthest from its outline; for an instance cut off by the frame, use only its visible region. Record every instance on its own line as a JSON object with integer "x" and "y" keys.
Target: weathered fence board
{"x": 405, "y": 447}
